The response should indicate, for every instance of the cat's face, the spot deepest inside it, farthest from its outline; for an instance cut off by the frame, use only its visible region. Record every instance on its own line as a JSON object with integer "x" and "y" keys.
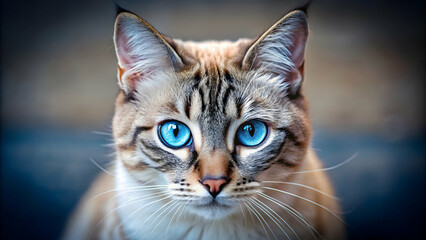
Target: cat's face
{"x": 212, "y": 120}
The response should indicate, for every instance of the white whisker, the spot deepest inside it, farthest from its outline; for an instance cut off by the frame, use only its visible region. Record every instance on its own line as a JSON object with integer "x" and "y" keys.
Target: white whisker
{"x": 305, "y": 186}
{"x": 186, "y": 211}
{"x": 254, "y": 224}
{"x": 244, "y": 217}
{"x": 102, "y": 133}
{"x": 293, "y": 212}
{"x": 251, "y": 216}
{"x": 308, "y": 200}
{"x": 109, "y": 145}
{"x": 130, "y": 201}
{"x": 161, "y": 220}
{"x": 171, "y": 220}
{"x": 130, "y": 189}
{"x": 291, "y": 229}
{"x": 140, "y": 208}
{"x": 101, "y": 168}
{"x": 255, "y": 212}
{"x": 186, "y": 204}
{"x": 163, "y": 189}
{"x": 155, "y": 212}
{"x": 271, "y": 216}
{"x": 330, "y": 168}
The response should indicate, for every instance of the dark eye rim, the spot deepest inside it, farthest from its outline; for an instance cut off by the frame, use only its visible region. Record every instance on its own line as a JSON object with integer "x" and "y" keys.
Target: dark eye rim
{"x": 237, "y": 138}
{"x": 186, "y": 144}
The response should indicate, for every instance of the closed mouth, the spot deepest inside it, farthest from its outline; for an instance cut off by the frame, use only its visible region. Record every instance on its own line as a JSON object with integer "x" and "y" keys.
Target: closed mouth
{"x": 213, "y": 204}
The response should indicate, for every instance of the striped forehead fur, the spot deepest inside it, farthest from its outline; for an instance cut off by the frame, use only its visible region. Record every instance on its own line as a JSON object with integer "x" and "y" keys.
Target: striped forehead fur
{"x": 213, "y": 87}
{"x": 213, "y": 95}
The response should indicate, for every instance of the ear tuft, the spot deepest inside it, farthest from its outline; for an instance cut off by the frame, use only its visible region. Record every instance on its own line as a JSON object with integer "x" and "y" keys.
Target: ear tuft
{"x": 304, "y": 8}
{"x": 119, "y": 9}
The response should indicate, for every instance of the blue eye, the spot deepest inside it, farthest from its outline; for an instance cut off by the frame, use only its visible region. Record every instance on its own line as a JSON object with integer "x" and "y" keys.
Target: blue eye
{"x": 174, "y": 134}
{"x": 252, "y": 133}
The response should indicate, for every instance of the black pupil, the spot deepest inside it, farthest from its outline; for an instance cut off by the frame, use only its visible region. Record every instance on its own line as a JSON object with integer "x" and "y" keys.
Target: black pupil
{"x": 249, "y": 127}
{"x": 175, "y": 130}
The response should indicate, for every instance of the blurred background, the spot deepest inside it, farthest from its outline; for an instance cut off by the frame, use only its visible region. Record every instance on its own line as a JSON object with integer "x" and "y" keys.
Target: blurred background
{"x": 365, "y": 72}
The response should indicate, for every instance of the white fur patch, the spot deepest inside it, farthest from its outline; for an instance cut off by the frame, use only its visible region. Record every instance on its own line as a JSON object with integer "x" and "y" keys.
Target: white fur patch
{"x": 155, "y": 215}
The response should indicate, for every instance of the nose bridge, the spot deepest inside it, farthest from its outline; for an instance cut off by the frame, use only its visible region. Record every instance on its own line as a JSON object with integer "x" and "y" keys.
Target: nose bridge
{"x": 214, "y": 163}
{"x": 213, "y": 127}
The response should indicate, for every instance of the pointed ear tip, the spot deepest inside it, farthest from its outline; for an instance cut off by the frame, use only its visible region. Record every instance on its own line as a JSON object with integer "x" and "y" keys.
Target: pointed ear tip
{"x": 123, "y": 18}
{"x": 120, "y": 10}
{"x": 301, "y": 11}
{"x": 298, "y": 17}
{"x": 120, "y": 21}
{"x": 298, "y": 14}
{"x": 304, "y": 8}
{"x": 125, "y": 15}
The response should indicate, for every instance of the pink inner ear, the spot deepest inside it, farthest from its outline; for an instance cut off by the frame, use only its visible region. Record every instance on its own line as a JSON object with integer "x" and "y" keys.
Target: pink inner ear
{"x": 123, "y": 52}
{"x": 126, "y": 75}
{"x": 128, "y": 80}
{"x": 298, "y": 51}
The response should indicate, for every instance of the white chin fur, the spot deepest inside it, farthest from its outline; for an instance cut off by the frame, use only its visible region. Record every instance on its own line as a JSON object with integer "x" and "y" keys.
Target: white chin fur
{"x": 212, "y": 212}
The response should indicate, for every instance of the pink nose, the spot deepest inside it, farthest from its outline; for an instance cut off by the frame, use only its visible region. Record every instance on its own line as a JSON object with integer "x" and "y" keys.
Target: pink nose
{"x": 214, "y": 185}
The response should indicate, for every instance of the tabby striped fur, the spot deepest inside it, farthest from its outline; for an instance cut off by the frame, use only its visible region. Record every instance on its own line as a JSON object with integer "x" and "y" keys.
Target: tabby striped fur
{"x": 212, "y": 87}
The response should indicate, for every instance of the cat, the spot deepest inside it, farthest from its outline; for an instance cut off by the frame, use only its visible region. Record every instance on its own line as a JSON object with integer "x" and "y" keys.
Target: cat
{"x": 212, "y": 141}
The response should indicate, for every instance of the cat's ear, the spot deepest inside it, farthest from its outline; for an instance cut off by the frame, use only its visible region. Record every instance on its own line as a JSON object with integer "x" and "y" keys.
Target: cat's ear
{"x": 141, "y": 51}
{"x": 280, "y": 50}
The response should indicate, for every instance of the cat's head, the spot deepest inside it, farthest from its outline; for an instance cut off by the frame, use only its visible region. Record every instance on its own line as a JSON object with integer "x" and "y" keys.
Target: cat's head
{"x": 211, "y": 120}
